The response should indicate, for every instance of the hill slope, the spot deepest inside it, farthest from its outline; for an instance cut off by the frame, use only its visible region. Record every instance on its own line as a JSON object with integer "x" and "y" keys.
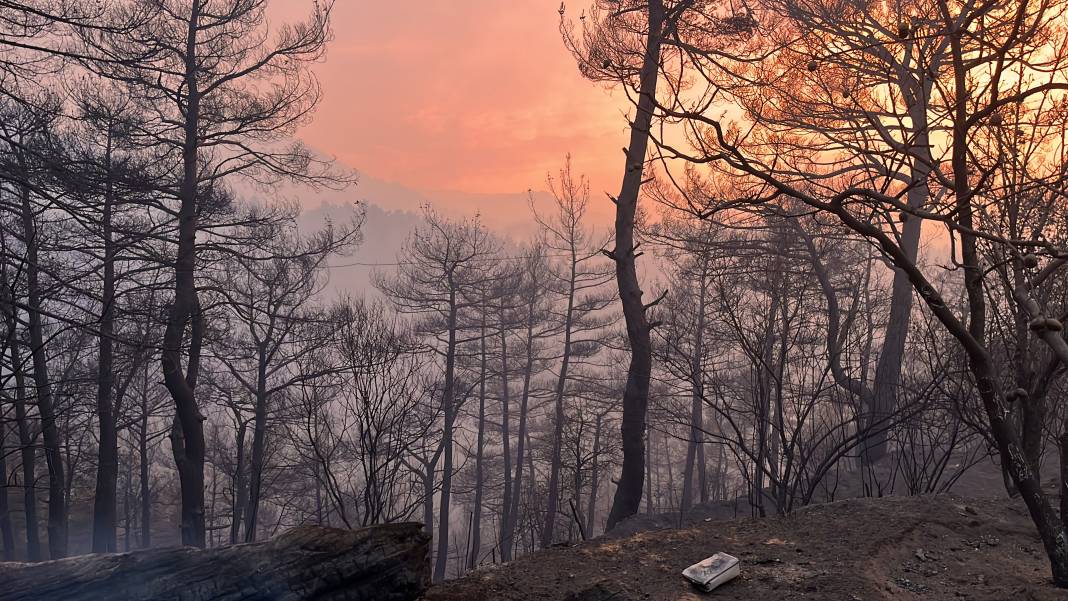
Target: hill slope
{"x": 932, "y": 548}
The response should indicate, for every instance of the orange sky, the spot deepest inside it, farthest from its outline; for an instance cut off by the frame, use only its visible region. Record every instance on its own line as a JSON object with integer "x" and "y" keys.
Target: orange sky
{"x": 466, "y": 95}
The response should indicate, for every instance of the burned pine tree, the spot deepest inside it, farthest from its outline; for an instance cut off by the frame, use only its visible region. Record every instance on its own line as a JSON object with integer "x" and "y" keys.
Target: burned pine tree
{"x": 442, "y": 275}
{"x": 578, "y": 285}
{"x": 184, "y": 63}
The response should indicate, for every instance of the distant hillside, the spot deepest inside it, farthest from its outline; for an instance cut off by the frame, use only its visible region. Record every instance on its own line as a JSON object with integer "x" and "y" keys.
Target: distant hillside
{"x": 383, "y": 235}
{"x": 393, "y": 211}
{"x": 506, "y": 213}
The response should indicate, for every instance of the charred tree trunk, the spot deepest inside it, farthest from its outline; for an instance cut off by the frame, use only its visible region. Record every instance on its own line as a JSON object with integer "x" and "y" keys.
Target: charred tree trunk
{"x": 387, "y": 563}
{"x": 143, "y": 466}
{"x": 576, "y": 495}
{"x": 636, "y": 394}
{"x": 7, "y": 532}
{"x": 506, "y": 534}
{"x": 428, "y": 497}
{"x": 107, "y": 470}
{"x": 1051, "y": 526}
{"x": 441, "y": 558}
{"x": 884, "y": 392}
{"x": 27, "y": 453}
{"x": 764, "y": 456}
{"x": 672, "y": 500}
{"x": 558, "y": 413}
{"x": 240, "y": 487}
{"x": 591, "y": 507}
{"x": 29, "y": 459}
{"x": 187, "y": 433}
{"x": 57, "y": 501}
{"x": 521, "y": 435}
{"x": 7, "y": 307}
{"x": 259, "y": 447}
{"x": 476, "y": 513}
{"x": 128, "y": 517}
{"x": 649, "y": 476}
{"x": 697, "y": 399}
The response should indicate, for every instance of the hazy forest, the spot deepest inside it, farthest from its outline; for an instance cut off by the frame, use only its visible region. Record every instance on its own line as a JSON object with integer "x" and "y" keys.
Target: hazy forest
{"x": 832, "y": 263}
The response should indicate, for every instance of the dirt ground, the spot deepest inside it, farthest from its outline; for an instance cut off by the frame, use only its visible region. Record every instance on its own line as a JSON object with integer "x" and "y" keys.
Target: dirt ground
{"x": 930, "y": 548}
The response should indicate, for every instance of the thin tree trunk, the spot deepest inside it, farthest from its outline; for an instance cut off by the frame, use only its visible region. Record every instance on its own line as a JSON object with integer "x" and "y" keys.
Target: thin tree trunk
{"x": 212, "y": 512}
{"x": 29, "y": 459}
{"x": 778, "y": 430}
{"x": 7, "y": 306}
{"x": 507, "y": 529}
{"x": 7, "y": 532}
{"x": 318, "y": 496}
{"x": 672, "y": 500}
{"x": 442, "y": 558}
{"x": 428, "y": 499}
{"x": 696, "y": 400}
{"x": 259, "y": 447}
{"x": 142, "y": 450}
{"x": 576, "y": 485}
{"x": 558, "y": 405}
{"x": 476, "y": 513}
{"x": 649, "y": 477}
{"x": 127, "y": 493}
{"x": 656, "y": 462}
{"x": 107, "y": 471}
{"x": 763, "y": 411}
{"x": 531, "y": 494}
{"x": 69, "y": 463}
{"x": 57, "y": 506}
{"x": 240, "y": 486}
{"x": 521, "y": 445}
{"x": 591, "y": 507}
{"x": 636, "y": 394}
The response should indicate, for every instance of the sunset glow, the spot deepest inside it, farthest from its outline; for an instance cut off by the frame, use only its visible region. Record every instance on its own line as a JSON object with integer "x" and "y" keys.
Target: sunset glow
{"x": 477, "y": 96}
{"x": 526, "y": 300}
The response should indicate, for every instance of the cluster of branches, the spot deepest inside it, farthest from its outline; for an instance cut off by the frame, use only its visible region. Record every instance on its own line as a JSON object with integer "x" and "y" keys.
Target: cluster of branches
{"x": 128, "y": 256}
{"x": 823, "y": 135}
{"x": 520, "y": 336}
{"x": 171, "y": 354}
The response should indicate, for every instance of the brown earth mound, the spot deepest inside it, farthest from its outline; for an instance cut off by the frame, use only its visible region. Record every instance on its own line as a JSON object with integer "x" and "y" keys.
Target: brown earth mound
{"x": 930, "y": 548}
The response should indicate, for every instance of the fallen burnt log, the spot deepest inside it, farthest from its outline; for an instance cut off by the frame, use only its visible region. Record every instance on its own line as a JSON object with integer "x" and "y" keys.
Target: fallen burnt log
{"x": 383, "y": 563}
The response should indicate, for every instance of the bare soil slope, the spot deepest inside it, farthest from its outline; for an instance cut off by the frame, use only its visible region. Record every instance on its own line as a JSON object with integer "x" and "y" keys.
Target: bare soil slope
{"x": 930, "y": 548}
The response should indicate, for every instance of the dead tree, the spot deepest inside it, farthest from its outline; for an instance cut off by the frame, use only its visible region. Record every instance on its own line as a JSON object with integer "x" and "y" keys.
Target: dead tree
{"x": 605, "y": 51}
{"x": 444, "y": 266}
{"x": 183, "y": 62}
{"x": 578, "y": 282}
{"x": 25, "y": 135}
{"x": 1003, "y": 55}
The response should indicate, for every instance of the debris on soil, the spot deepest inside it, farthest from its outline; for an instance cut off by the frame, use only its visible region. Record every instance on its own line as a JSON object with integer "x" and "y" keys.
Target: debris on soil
{"x": 932, "y": 548}
{"x": 712, "y": 572}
